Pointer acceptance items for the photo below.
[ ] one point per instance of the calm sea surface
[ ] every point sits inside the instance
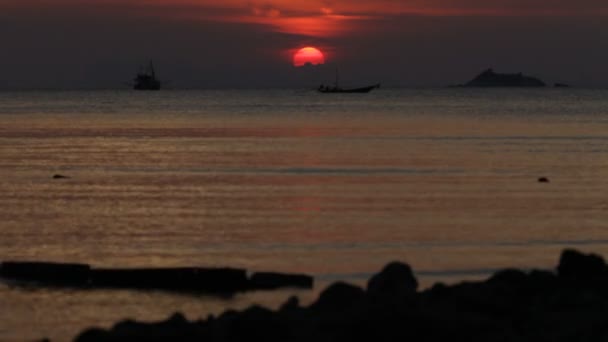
(294, 181)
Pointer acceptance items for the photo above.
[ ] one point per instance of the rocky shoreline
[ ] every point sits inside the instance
(568, 304)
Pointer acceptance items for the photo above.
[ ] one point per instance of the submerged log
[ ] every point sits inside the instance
(222, 281)
(218, 280)
(47, 273)
(271, 281)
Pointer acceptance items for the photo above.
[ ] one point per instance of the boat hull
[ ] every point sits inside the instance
(347, 91)
(155, 86)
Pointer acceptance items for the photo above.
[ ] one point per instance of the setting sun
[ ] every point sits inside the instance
(308, 55)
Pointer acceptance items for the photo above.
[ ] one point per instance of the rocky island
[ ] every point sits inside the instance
(568, 304)
(489, 78)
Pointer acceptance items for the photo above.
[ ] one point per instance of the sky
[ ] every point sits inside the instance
(250, 43)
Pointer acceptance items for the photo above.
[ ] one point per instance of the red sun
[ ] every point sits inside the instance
(308, 55)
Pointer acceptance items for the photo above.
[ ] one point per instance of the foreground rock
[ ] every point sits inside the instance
(223, 281)
(512, 305)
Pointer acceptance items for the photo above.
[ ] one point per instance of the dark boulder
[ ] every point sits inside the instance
(395, 279)
(257, 324)
(511, 278)
(176, 328)
(339, 296)
(96, 335)
(576, 265)
(542, 281)
(293, 303)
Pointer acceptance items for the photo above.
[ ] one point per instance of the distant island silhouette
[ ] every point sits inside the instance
(489, 78)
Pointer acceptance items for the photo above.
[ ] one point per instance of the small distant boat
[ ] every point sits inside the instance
(146, 79)
(327, 89)
(336, 88)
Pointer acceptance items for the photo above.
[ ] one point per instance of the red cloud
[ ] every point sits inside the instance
(319, 18)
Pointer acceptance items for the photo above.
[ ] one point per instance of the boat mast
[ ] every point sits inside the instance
(152, 70)
(337, 78)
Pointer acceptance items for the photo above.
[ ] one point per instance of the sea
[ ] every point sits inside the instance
(332, 185)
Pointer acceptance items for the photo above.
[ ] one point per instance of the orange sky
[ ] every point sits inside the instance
(222, 43)
(327, 18)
